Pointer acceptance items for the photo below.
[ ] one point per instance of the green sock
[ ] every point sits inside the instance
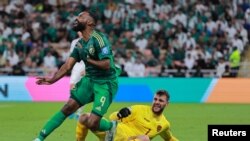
(105, 125)
(51, 125)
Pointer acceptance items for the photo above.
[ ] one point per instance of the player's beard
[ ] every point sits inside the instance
(157, 110)
(77, 26)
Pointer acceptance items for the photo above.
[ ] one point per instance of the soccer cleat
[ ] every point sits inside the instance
(110, 135)
(37, 139)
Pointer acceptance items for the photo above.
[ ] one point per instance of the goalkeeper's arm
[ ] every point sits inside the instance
(123, 113)
(167, 135)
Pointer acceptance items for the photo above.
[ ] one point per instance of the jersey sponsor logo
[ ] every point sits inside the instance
(98, 108)
(43, 131)
(159, 127)
(105, 50)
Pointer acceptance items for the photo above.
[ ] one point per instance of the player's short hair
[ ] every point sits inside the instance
(93, 14)
(163, 92)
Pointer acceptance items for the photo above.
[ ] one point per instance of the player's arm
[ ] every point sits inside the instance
(167, 135)
(102, 64)
(65, 68)
(113, 116)
(123, 113)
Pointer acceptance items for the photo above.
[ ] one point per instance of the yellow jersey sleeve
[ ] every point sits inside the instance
(133, 114)
(113, 116)
(167, 135)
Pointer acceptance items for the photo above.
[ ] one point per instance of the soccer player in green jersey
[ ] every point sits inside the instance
(99, 85)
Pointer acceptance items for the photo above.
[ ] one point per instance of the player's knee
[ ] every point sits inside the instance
(93, 124)
(70, 107)
(84, 118)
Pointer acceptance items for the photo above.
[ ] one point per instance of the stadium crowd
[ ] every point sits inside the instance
(150, 38)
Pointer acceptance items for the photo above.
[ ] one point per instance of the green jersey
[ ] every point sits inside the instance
(97, 47)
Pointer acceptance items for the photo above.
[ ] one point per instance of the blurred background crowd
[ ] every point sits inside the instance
(150, 38)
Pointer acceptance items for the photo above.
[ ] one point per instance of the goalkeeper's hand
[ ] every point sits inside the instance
(124, 112)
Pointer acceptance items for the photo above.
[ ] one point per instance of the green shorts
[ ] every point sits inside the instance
(100, 92)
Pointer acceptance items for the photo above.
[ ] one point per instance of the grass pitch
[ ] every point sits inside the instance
(21, 121)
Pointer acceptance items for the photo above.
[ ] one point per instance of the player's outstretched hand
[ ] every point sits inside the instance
(43, 81)
(124, 112)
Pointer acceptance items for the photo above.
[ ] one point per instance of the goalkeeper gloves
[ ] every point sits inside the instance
(124, 112)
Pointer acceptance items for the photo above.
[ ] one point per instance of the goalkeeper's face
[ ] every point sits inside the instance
(159, 103)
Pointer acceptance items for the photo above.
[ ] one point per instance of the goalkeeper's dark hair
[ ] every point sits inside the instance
(163, 92)
(93, 13)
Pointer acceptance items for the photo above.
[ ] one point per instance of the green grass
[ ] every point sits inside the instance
(22, 121)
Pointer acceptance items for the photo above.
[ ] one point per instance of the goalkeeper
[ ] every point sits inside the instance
(137, 123)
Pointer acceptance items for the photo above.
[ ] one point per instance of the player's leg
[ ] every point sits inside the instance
(100, 135)
(73, 80)
(103, 92)
(84, 94)
(70, 107)
(76, 100)
(94, 122)
(77, 114)
(76, 75)
(125, 132)
(82, 130)
(104, 95)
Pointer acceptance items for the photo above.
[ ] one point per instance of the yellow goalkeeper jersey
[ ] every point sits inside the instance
(142, 121)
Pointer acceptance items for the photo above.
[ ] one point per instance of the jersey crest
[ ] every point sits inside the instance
(91, 50)
(98, 108)
(159, 127)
